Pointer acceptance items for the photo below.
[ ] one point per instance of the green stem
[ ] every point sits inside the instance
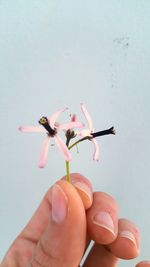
(77, 142)
(67, 172)
(67, 162)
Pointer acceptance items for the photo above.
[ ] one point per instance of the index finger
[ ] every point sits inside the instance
(84, 188)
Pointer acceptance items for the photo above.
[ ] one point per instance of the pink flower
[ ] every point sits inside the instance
(51, 127)
(91, 135)
(88, 132)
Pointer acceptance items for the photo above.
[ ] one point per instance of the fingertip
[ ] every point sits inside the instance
(143, 264)
(74, 201)
(102, 219)
(85, 193)
(83, 187)
(127, 243)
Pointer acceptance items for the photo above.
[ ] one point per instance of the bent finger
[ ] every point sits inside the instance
(126, 246)
(100, 257)
(102, 218)
(127, 243)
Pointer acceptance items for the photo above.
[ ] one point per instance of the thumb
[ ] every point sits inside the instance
(63, 242)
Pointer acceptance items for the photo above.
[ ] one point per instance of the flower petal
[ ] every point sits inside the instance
(44, 152)
(71, 125)
(84, 133)
(62, 148)
(96, 149)
(32, 129)
(87, 116)
(52, 119)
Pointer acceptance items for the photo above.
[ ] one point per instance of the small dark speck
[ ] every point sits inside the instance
(122, 41)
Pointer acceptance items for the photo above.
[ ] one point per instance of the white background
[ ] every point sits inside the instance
(61, 53)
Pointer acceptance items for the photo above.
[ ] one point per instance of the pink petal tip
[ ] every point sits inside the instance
(87, 116)
(44, 153)
(96, 150)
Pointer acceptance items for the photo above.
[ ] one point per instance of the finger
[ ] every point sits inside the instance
(84, 188)
(102, 218)
(127, 243)
(85, 191)
(39, 221)
(101, 257)
(143, 264)
(63, 241)
(126, 246)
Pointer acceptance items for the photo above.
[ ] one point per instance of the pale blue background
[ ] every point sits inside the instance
(60, 53)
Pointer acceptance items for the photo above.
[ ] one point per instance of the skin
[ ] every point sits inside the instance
(45, 242)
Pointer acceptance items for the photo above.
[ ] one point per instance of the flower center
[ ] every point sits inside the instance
(70, 134)
(45, 123)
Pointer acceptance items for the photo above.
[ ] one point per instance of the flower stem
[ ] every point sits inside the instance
(67, 172)
(77, 142)
(68, 179)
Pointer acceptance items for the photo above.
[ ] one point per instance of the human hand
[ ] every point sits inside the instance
(68, 217)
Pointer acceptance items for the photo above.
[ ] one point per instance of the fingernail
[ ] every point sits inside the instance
(84, 188)
(129, 235)
(104, 220)
(59, 204)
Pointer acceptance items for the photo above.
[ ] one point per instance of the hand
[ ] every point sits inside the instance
(60, 230)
